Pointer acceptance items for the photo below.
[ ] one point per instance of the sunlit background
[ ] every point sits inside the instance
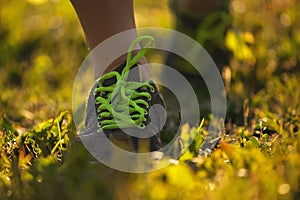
(42, 46)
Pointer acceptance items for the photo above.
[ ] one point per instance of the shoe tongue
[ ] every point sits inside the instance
(111, 81)
(120, 68)
(134, 75)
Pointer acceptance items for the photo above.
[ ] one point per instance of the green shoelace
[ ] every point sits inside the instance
(120, 105)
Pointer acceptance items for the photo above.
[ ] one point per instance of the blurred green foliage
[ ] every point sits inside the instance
(41, 48)
(255, 162)
(264, 39)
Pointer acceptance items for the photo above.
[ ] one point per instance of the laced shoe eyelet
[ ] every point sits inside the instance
(142, 126)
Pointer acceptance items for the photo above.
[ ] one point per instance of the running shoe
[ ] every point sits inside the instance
(126, 106)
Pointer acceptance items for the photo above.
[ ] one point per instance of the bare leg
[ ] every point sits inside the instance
(102, 19)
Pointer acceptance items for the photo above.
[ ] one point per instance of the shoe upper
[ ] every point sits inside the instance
(123, 101)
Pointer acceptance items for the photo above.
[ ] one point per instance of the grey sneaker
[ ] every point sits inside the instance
(128, 109)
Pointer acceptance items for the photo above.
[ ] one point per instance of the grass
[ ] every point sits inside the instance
(260, 161)
(257, 157)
